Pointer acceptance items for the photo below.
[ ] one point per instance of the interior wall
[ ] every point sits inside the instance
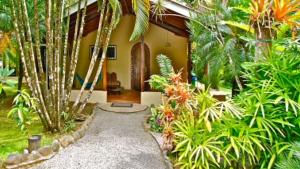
(156, 38)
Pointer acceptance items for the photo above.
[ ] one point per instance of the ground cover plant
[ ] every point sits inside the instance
(11, 139)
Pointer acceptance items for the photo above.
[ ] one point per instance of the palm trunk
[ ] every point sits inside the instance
(94, 56)
(64, 60)
(20, 77)
(53, 98)
(32, 59)
(103, 57)
(20, 36)
(75, 57)
(262, 46)
(68, 86)
(37, 38)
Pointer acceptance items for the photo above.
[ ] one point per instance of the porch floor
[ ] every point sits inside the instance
(126, 96)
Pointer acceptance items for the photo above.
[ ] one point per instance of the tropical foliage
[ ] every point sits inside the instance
(54, 100)
(290, 160)
(259, 125)
(253, 130)
(157, 82)
(219, 46)
(4, 81)
(165, 65)
(155, 120)
(24, 107)
(271, 101)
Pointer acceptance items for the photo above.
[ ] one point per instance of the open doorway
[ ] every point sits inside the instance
(132, 95)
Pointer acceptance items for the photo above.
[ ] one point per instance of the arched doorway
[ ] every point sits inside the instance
(136, 66)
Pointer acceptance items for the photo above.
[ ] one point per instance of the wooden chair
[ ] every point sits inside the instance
(113, 84)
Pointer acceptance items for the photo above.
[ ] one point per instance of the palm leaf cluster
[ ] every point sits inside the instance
(5, 17)
(165, 65)
(218, 45)
(142, 10)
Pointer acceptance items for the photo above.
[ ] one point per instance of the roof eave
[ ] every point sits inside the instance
(171, 5)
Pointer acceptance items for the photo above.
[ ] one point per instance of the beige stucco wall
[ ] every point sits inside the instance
(155, 38)
(84, 59)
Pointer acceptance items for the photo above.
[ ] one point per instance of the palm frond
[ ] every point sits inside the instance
(165, 65)
(242, 26)
(141, 9)
(158, 9)
(117, 10)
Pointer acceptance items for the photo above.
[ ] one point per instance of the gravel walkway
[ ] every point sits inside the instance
(113, 141)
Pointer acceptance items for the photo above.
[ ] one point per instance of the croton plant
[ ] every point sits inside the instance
(181, 98)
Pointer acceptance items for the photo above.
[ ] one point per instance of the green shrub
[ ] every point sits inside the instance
(251, 132)
(202, 132)
(271, 102)
(292, 159)
(24, 107)
(4, 81)
(155, 120)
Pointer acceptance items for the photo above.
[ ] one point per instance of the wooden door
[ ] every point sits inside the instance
(136, 67)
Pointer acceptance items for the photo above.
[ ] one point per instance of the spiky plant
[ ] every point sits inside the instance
(165, 65)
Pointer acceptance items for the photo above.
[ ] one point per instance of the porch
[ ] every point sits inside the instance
(135, 61)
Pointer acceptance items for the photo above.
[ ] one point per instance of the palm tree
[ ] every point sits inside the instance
(53, 96)
(219, 50)
(6, 26)
(142, 9)
(53, 91)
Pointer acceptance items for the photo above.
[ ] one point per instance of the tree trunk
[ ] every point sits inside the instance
(263, 44)
(95, 54)
(20, 77)
(103, 57)
(75, 57)
(53, 98)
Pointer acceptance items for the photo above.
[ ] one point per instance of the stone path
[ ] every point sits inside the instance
(113, 141)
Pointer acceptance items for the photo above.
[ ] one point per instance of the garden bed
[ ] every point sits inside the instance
(12, 140)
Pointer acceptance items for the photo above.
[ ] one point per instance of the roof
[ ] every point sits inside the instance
(168, 4)
(174, 19)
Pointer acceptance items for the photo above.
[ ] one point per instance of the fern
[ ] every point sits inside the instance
(165, 65)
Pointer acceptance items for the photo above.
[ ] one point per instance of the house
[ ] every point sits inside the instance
(169, 36)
